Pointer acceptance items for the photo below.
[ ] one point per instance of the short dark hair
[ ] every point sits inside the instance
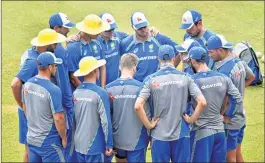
(54, 26)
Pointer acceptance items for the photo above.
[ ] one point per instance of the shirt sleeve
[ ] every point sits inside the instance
(234, 97)
(247, 69)
(194, 90)
(122, 35)
(73, 57)
(168, 41)
(104, 113)
(28, 70)
(145, 91)
(56, 100)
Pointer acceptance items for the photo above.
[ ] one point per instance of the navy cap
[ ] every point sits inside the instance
(47, 58)
(166, 52)
(218, 41)
(108, 18)
(198, 53)
(60, 19)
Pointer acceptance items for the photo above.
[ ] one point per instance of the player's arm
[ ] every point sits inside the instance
(103, 76)
(58, 114)
(200, 99)
(140, 104)
(104, 114)
(74, 80)
(249, 75)
(16, 86)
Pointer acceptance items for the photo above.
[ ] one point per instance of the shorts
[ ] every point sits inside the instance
(22, 126)
(132, 156)
(90, 158)
(234, 137)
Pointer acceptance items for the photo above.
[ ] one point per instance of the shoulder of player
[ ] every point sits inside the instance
(73, 45)
(127, 40)
(52, 88)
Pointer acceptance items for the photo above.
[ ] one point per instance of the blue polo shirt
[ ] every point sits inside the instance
(29, 65)
(111, 50)
(203, 41)
(147, 53)
(78, 49)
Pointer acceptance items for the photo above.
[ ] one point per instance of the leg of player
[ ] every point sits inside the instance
(26, 154)
(239, 156)
(231, 156)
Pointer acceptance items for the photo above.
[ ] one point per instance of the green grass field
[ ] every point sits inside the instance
(237, 21)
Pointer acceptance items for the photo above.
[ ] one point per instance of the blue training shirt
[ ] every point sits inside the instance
(147, 53)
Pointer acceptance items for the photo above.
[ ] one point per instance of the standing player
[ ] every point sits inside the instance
(192, 23)
(130, 136)
(89, 28)
(42, 104)
(46, 40)
(145, 46)
(93, 132)
(168, 90)
(242, 76)
(208, 142)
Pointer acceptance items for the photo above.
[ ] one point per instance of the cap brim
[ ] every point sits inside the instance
(101, 62)
(93, 31)
(186, 26)
(141, 25)
(58, 61)
(113, 26)
(180, 49)
(228, 45)
(186, 57)
(69, 25)
(60, 38)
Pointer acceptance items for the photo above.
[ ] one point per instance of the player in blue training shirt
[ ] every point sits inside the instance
(93, 130)
(192, 23)
(242, 76)
(130, 135)
(42, 104)
(208, 142)
(168, 90)
(89, 28)
(145, 46)
(46, 40)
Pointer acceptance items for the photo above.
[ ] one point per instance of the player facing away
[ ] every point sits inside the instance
(42, 104)
(130, 135)
(208, 142)
(242, 76)
(168, 91)
(93, 131)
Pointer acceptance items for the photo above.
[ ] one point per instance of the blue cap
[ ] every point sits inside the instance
(47, 58)
(166, 52)
(198, 53)
(189, 18)
(107, 17)
(60, 19)
(218, 41)
(138, 20)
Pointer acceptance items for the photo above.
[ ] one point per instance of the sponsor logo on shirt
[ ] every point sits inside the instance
(211, 85)
(112, 55)
(151, 48)
(111, 97)
(171, 83)
(95, 48)
(155, 84)
(147, 58)
(82, 99)
(124, 96)
(135, 50)
(27, 91)
(112, 45)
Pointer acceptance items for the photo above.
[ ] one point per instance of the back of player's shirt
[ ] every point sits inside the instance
(238, 71)
(128, 131)
(169, 90)
(42, 99)
(214, 87)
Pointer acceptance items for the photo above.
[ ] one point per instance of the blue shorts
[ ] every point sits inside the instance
(90, 158)
(47, 153)
(234, 137)
(23, 127)
(108, 159)
(207, 147)
(132, 156)
(176, 151)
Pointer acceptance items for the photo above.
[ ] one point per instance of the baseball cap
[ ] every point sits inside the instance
(186, 46)
(166, 52)
(107, 17)
(198, 53)
(47, 58)
(189, 18)
(218, 41)
(138, 20)
(60, 19)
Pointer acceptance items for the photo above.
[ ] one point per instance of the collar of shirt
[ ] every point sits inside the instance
(166, 65)
(222, 62)
(34, 53)
(42, 77)
(198, 37)
(149, 39)
(105, 41)
(85, 42)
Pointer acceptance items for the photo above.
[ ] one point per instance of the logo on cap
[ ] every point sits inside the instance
(184, 19)
(139, 19)
(108, 20)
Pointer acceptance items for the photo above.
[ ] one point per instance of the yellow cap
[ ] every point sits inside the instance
(88, 64)
(47, 37)
(92, 24)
